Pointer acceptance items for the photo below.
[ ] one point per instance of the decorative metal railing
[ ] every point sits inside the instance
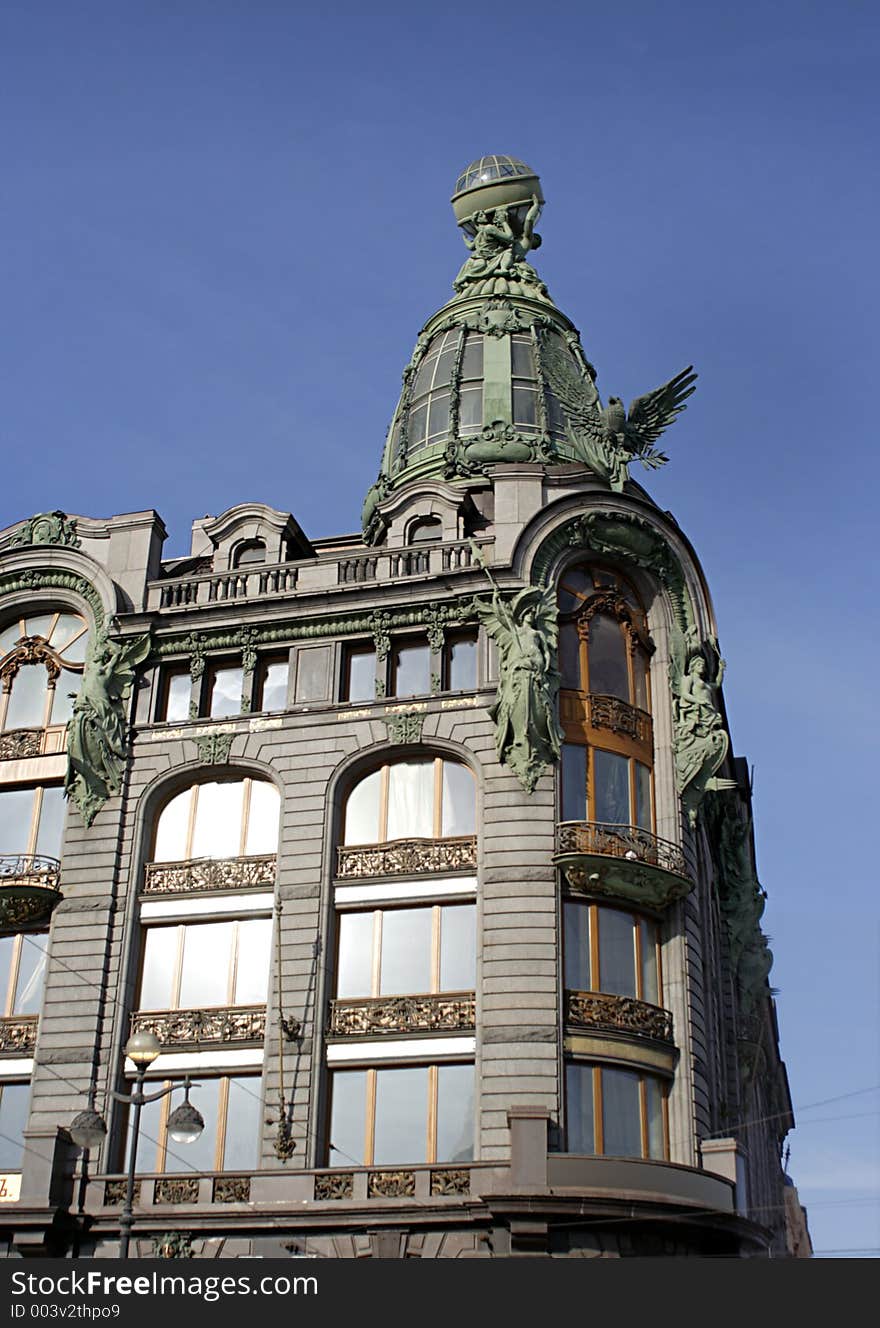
(18, 1034)
(609, 712)
(30, 869)
(618, 1014)
(30, 887)
(629, 842)
(179, 878)
(409, 857)
(174, 1028)
(452, 1012)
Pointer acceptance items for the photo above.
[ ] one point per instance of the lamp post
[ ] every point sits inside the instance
(185, 1124)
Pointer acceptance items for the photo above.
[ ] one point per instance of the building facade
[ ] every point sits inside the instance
(423, 852)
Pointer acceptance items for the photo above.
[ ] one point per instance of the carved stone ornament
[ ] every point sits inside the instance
(451, 1180)
(214, 748)
(405, 726)
(620, 1014)
(380, 626)
(232, 1189)
(97, 737)
(391, 1184)
(17, 744)
(47, 528)
(527, 732)
(401, 1014)
(173, 1245)
(181, 878)
(334, 1185)
(410, 857)
(179, 1190)
(246, 1023)
(18, 1035)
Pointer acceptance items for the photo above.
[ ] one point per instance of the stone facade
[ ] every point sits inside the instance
(710, 1047)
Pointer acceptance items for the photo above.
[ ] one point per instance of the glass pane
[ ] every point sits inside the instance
(525, 406)
(274, 687)
(51, 827)
(411, 800)
(522, 361)
(9, 635)
(207, 958)
(202, 1153)
(470, 409)
(14, 1099)
(609, 675)
(16, 810)
(462, 665)
(654, 1104)
(265, 809)
(621, 1114)
(579, 1131)
(401, 1116)
(643, 796)
(570, 656)
(173, 827)
(406, 951)
(242, 1143)
(576, 922)
(411, 670)
(415, 429)
(472, 360)
(66, 688)
(443, 372)
(611, 787)
(41, 625)
(226, 689)
(217, 832)
(648, 941)
(458, 947)
(254, 961)
(31, 973)
(361, 676)
(148, 1135)
(459, 800)
(67, 627)
(177, 698)
(354, 975)
(76, 651)
(362, 811)
(27, 704)
(455, 1113)
(640, 677)
(617, 953)
(576, 584)
(7, 958)
(574, 782)
(160, 962)
(348, 1118)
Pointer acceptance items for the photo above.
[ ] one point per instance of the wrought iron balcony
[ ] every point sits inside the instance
(18, 1034)
(610, 714)
(621, 861)
(224, 1024)
(408, 857)
(451, 1012)
(182, 878)
(617, 1014)
(30, 887)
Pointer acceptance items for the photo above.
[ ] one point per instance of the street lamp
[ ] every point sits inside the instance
(185, 1124)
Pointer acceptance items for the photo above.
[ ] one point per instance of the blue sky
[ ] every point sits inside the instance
(223, 224)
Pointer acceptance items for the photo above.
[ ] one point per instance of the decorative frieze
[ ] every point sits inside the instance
(334, 1185)
(410, 857)
(402, 1014)
(619, 1014)
(231, 1189)
(181, 878)
(236, 1023)
(391, 1184)
(176, 1190)
(114, 1192)
(17, 744)
(452, 1180)
(18, 1035)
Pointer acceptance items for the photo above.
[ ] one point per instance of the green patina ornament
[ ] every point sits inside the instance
(742, 901)
(48, 528)
(214, 748)
(700, 741)
(96, 732)
(405, 726)
(173, 1245)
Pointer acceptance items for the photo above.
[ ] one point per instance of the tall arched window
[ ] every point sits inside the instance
(424, 799)
(227, 819)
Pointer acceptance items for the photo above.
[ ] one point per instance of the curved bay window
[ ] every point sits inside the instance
(611, 950)
(42, 656)
(614, 1112)
(604, 653)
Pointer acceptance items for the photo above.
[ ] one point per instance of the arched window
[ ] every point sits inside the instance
(425, 530)
(249, 553)
(425, 799)
(227, 819)
(42, 656)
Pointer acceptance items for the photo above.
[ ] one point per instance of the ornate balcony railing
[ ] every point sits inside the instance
(18, 1034)
(622, 861)
(609, 712)
(30, 887)
(446, 1013)
(618, 1014)
(181, 878)
(410, 857)
(175, 1028)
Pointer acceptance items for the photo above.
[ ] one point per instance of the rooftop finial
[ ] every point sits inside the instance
(497, 202)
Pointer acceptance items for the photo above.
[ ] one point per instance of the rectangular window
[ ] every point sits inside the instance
(406, 951)
(405, 1114)
(573, 799)
(460, 663)
(272, 684)
(615, 1113)
(22, 972)
(32, 820)
(359, 674)
(410, 669)
(175, 692)
(14, 1100)
(611, 950)
(224, 690)
(231, 1108)
(206, 964)
(232, 819)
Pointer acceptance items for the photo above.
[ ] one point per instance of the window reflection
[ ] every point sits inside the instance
(231, 1108)
(611, 950)
(219, 820)
(614, 1112)
(42, 656)
(406, 951)
(411, 799)
(404, 1114)
(205, 964)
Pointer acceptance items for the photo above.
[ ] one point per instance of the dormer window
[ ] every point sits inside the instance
(249, 553)
(425, 530)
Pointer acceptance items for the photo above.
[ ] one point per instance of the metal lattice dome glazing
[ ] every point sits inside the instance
(489, 168)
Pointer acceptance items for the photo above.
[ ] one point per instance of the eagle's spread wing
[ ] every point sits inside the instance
(651, 414)
(581, 411)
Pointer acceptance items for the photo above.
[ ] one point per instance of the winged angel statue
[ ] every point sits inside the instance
(701, 742)
(96, 732)
(527, 733)
(608, 438)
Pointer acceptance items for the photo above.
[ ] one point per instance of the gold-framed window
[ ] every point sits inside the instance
(396, 1114)
(615, 1112)
(231, 1107)
(197, 965)
(218, 819)
(428, 798)
(42, 657)
(611, 950)
(409, 950)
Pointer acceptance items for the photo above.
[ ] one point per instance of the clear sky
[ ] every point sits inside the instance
(223, 224)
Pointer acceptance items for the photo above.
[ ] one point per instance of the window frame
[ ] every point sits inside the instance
(431, 1121)
(57, 655)
(384, 784)
(264, 663)
(177, 976)
(589, 800)
(221, 665)
(167, 1106)
(349, 651)
(597, 1068)
(7, 1003)
(377, 940)
(193, 789)
(594, 923)
(166, 677)
(36, 814)
(453, 639)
